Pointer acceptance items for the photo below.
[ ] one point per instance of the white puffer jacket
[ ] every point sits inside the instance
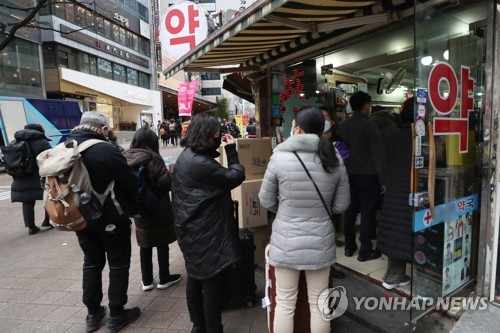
(303, 236)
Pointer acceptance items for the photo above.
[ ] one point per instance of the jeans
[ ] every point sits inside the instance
(287, 283)
(29, 215)
(365, 196)
(204, 303)
(146, 254)
(97, 244)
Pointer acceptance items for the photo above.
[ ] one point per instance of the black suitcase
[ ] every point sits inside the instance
(240, 285)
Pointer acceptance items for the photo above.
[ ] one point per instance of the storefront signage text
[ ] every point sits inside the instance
(80, 37)
(122, 19)
(134, 95)
(444, 105)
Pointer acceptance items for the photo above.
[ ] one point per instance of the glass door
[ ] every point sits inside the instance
(449, 100)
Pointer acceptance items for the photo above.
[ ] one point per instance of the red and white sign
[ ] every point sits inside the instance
(185, 97)
(183, 27)
(444, 104)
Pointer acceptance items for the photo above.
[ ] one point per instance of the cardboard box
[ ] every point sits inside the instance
(254, 155)
(262, 237)
(250, 213)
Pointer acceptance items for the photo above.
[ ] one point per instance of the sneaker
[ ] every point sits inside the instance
(93, 322)
(46, 225)
(148, 287)
(172, 279)
(33, 230)
(404, 281)
(115, 324)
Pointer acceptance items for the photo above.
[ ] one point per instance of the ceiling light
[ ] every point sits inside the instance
(426, 61)
(446, 55)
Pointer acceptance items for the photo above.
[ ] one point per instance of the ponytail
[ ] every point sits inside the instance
(327, 154)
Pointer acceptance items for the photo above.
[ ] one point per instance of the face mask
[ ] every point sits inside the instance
(217, 142)
(328, 125)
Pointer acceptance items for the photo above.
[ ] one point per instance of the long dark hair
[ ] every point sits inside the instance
(311, 120)
(200, 130)
(146, 138)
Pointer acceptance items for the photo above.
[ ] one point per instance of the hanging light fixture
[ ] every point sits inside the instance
(426, 59)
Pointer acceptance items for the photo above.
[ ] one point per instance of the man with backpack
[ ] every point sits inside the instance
(20, 156)
(109, 236)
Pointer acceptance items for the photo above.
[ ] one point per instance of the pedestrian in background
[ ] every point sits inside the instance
(303, 235)
(28, 189)
(366, 167)
(114, 140)
(110, 238)
(204, 218)
(157, 228)
(164, 133)
(394, 237)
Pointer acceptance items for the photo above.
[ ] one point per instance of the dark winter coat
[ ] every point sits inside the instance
(104, 162)
(157, 229)
(29, 188)
(394, 237)
(203, 210)
(386, 124)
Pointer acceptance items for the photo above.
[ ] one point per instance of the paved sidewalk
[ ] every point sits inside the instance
(479, 321)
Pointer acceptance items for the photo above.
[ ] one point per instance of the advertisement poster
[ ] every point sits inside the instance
(182, 100)
(457, 252)
(191, 90)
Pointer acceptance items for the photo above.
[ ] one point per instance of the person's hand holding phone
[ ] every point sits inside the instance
(228, 138)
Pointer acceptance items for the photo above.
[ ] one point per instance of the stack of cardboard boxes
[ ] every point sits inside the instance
(254, 155)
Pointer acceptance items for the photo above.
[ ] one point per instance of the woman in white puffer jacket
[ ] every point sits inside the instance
(303, 236)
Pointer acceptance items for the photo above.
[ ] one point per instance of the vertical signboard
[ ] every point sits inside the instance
(186, 94)
(157, 41)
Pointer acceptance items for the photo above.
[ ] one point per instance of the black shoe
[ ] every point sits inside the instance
(115, 324)
(172, 279)
(93, 322)
(33, 230)
(350, 252)
(336, 274)
(374, 254)
(339, 243)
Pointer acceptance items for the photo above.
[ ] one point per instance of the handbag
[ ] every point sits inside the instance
(315, 186)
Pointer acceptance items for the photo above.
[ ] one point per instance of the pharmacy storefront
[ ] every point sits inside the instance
(439, 53)
(128, 107)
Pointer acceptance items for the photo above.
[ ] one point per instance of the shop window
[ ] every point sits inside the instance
(59, 9)
(143, 12)
(80, 17)
(132, 77)
(135, 43)
(90, 21)
(123, 37)
(210, 91)
(108, 31)
(99, 25)
(49, 56)
(119, 73)
(131, 4)
(130, 39)
(144, 47)
(210, 76)
(116, 33)
(62, 58)
(92, 65)
(73, 60)
(69, 11)
(143, 80)
(104, 69)
(83, 63)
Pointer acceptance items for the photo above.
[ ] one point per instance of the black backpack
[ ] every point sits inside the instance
(147, 200)
(19, 161)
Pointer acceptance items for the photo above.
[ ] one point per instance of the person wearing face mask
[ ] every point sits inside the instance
(366, 167)
(204, 222)
(305, 182)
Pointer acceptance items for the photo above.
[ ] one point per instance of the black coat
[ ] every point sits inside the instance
(157, 229)
(203, 211)
(104, 162)
(394, 236)
(29, 188)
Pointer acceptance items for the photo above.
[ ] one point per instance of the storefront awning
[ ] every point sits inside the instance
(272, 29)
(240, 86)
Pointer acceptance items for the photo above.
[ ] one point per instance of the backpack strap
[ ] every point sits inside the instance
(102, 197)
